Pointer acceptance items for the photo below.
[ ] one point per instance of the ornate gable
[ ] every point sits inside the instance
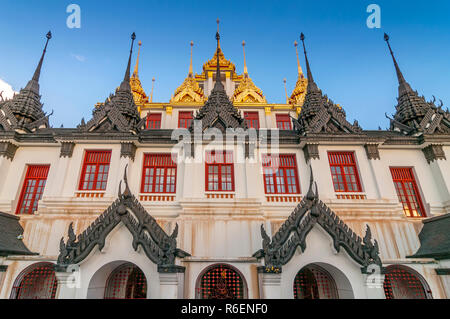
(23, 112)
(119, 112)
(319, 114)
(414, 115)
(248, 92)
(159, 247)
(279, 250)
(188, 92)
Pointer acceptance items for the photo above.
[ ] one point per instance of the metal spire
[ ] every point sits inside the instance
(218, 84)
(285, 90)
(136, 67)
(311, 84)
(403, 86)
(153, 86)
(33, 84)
(126, 81)
(245, 62)
(191, 70)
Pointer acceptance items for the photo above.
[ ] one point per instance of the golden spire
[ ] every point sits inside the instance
(245, 62)
(153, 86)
(136, 87)
(285, 90)
(136, 67)
(191, 70)
(300, 71)
(299, 93)
(189, 91)
(247, 91)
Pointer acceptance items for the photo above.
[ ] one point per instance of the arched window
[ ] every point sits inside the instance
(403, 283)
(221, 282)
(36, 282)
(314, 282)
(126, 282)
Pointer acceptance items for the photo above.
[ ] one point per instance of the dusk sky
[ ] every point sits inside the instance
(349, 61)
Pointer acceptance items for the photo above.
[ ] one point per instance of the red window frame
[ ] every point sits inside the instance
(185, 119)
(344, 172)
(153, 121)
(283, 121)
(219, 165)
(280, 174)
(94, 175)
(159, 174)
(252, 119)
(32, 189)
(407, 191)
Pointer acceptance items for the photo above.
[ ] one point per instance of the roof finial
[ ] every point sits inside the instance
(311, 84)
(191, 70)
(34, 82)
(403, 86)
(126, 81)
(218, 21)
(153, 86)
(136, 67)
(218, 81)
(300, 71)
(245, 62)
(285, 90)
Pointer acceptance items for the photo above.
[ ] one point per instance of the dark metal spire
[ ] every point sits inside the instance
(218, 84)
(311, 84)
(126, 81)
(33, 84)
(403, 86)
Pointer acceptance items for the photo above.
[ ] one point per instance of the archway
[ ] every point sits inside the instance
(314, 282)
(401, 282)
(221, 281)
(37, 281)
(118, 280)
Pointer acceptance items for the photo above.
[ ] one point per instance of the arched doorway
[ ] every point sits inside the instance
(126, 282)
(314, 282)
(37, 281)
(221, 281)
(401, 282)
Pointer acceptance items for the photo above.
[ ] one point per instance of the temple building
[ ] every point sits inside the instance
(220, 194)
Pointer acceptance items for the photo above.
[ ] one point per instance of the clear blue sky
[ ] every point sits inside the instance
(350, 62)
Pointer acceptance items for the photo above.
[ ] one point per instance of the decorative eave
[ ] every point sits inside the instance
(279, 250)
(248, 92)
(434, 238)
(159, 247)
(188, 92)
(11, 237)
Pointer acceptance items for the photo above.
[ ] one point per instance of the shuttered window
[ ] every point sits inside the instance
(407, 191)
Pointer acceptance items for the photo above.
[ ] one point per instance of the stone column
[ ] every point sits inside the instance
(269, 284)
(3, 269)
(171, 281)
(373, 284)
(68, 283)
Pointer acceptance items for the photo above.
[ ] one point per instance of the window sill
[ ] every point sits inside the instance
(224, 195)
(157, 197)
(283, 198)
(89, 194)
(351, 195)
